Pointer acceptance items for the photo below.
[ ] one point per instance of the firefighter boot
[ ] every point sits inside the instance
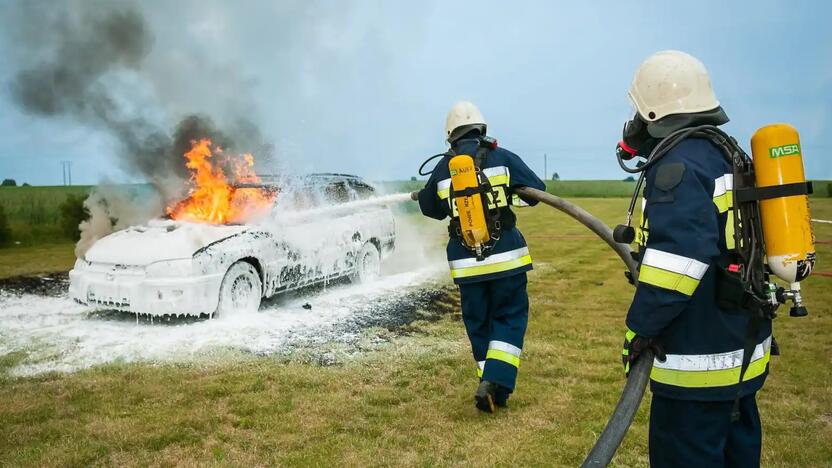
(501, 395)
(485, 396)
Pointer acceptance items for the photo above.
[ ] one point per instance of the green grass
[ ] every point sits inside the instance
(17, 260)
(822, 188)
(34, 212)
(410, 404)
(590, 188)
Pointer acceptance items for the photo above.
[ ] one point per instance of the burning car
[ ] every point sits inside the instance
(204, 260)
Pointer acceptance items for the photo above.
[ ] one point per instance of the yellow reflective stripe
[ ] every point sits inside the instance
(710, 378)
(641, 236)
(642, 230)
(630, 335)
(730, 243)
(517, 201)
(667, 279)
(725, 201)
(724, 192)
(503, 356)
(498, 180)
(492, 268)
(479, 372)
(443, 188)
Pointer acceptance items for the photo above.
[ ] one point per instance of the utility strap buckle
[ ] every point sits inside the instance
(470, 191)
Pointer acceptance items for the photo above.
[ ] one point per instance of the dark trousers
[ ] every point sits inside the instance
(496, 312)
(700, 433)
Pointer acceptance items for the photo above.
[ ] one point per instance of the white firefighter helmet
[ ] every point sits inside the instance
(671, 82)
(463, 116)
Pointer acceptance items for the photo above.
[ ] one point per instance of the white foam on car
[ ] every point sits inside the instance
(156, 241)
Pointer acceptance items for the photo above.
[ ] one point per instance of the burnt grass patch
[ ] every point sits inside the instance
(51, 285)
(373, 326)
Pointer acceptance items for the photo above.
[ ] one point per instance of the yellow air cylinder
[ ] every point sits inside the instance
(787, 227)
(472, 223)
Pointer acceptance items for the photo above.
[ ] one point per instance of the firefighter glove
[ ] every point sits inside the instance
(633, 346)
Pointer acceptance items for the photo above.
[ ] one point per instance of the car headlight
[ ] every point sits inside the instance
(182, 267)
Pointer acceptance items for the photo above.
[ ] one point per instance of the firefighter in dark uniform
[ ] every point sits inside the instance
(701, 415)
(495, 304)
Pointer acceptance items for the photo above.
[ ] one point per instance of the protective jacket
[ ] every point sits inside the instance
(505, 171)
(685, 234)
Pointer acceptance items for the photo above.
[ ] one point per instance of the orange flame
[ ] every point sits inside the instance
(212, 199)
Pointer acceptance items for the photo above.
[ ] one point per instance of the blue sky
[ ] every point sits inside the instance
(363, 87)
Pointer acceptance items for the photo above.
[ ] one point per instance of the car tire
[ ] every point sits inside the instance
(367, 264)
(241, 290)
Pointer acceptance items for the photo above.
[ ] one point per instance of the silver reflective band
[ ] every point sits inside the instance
(496, 171)
(712, 362)
(723, 184)
(675, 263)
(444, 184)
(503, 346)
(481, 365)
(490, 260)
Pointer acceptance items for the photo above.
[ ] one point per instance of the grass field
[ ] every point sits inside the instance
(409, 404)
(34, 213)
(35, 259)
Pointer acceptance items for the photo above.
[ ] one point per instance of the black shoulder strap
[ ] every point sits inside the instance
(775, 191)
(749, 344)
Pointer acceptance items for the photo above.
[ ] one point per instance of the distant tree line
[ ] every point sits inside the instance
(12, 183)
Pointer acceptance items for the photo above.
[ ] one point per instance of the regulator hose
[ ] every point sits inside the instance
(633, 392)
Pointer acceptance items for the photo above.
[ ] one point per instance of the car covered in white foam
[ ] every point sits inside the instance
(169, 267)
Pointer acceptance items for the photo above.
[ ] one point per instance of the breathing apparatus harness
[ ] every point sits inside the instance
(743, 280)
(496, 218)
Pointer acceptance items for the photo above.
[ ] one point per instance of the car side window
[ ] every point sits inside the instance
(346, 191)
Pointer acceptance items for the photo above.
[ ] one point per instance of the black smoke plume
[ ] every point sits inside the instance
(83, 61)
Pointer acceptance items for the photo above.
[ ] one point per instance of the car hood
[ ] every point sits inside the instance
(156, 241)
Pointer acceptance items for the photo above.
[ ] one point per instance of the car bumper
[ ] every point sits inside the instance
(135, 293)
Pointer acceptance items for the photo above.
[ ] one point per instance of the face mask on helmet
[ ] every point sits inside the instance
(633, 139)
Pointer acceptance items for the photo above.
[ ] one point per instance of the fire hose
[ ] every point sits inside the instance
(584, 217)
(633, 392)
(631, 396)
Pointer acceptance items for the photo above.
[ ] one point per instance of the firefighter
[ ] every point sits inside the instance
(495, 304)
(701, 415)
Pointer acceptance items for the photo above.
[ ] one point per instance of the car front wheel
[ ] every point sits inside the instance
(240, 291)
(367, 264)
